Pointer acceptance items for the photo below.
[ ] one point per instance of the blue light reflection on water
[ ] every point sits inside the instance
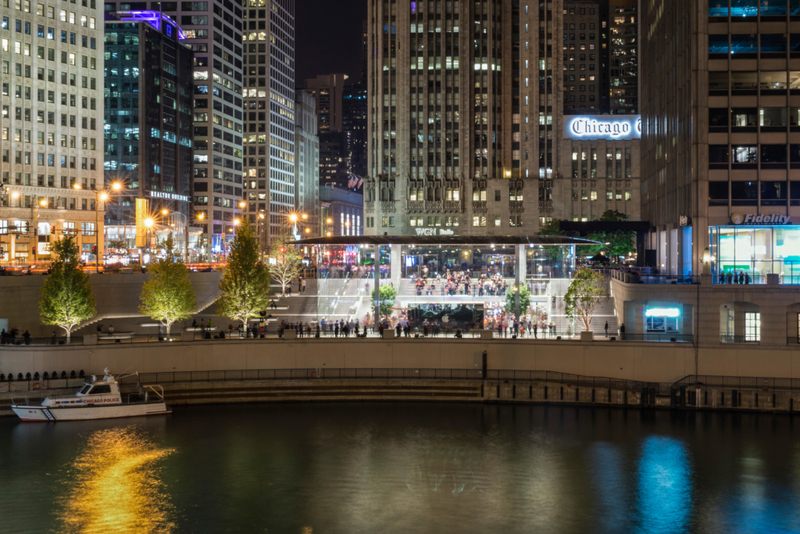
(665, 491)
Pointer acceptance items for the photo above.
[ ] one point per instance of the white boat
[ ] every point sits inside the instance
(95, 400)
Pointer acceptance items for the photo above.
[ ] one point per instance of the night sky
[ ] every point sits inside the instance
(328, 37)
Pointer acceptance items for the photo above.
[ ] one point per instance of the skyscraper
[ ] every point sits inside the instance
(306, 165)
(51, 127)
(270, 111)
(148, 119)
(460, 115)
(214, 32)
(720, 113)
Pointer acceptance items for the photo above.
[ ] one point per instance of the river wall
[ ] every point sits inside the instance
(646, 362)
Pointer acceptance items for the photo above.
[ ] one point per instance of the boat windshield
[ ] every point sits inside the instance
(85, 389)
(98, 390)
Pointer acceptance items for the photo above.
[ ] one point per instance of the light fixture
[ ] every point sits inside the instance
(328, 234)
(76, 185)
(293, 217)
(104, 196)
(305, 216)
(329, 220)
(14, 195)
(116, 186)
(165, 211)
(201, 215)
(242, 204)
(43, 203)
(149, 222)
(236, 222)
(308, 230)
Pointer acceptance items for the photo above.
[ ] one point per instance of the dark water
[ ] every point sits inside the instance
(352, 468)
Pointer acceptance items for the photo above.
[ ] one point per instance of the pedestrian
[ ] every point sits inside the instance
(747, 278)
(27, 337)
(111, 329)
(230, 329)
(304, 285)
(317, 336)
(622, 331)
(100, 328)
(53, 338)
(336, 330)
(536, 329)
(606, 328)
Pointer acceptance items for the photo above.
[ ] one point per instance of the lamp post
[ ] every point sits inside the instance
(201, 217)
(148, 223)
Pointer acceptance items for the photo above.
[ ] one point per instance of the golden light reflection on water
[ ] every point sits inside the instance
(116, 486)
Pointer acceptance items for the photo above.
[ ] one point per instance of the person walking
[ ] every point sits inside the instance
(27, 337)
(622, 331)
(111, 329)
(535, 329)
(52, 337)
(606, 328)
(304, 285)
(336, 330)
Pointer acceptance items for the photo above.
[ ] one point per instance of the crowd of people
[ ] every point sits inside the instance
(461, 283)
(12, 337)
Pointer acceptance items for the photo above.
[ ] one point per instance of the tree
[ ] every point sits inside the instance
(524, 299)
(551, 227)
(584, 294)
(168, 295)
(613, 216)
(245, 284)
(287, 264)
(612, 244)
(387, 296)
(66, 298)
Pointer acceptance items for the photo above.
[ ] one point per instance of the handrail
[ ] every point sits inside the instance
(738, 382)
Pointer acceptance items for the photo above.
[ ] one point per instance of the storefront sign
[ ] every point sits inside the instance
(757, 220)
(433, 232)
(168, 196)
(663, 312)
(617, 128)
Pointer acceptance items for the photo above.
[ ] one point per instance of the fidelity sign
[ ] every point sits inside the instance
(755, 220)
(609, 128)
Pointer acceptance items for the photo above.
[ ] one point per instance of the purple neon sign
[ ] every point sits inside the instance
(153, 18)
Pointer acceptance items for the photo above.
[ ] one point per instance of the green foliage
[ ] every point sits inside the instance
(288, 263)
(612, 244)
(168, 295)
(120, 245)
(524, 299)
(551, 228)
(583, 295)
(66, 297)
(245, 283)
(613, 216)
(388, 295)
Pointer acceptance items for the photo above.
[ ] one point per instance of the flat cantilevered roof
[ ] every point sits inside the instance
(452, 240)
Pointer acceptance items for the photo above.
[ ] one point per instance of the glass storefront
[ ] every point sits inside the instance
(746, 254)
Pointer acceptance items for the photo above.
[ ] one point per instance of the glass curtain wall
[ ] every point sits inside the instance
(747, 254)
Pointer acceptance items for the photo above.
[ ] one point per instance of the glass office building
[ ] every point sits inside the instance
(754, 252)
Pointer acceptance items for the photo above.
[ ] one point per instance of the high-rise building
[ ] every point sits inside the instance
(720, 112)
(213, 31)
(328, 89)
(51, 127)
(148, 120)
(306, 161)
(354, 126)
(270, 112)
(598, 168)
(460, 130)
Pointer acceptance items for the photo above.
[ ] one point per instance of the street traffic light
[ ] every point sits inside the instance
(94, 249)
(283, 249)
(33, 250)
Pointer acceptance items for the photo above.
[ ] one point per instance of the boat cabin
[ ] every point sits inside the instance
(94, 393)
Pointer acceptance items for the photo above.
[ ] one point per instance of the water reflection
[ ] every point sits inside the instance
(116, 486)
(665, 485)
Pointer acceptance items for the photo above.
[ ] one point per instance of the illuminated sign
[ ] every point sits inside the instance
(168, 196)
(663, 312)
(756, 220)
(432, 231)
(153, 18)
(604, 127)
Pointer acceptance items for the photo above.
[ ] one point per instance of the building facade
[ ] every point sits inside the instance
(341, 212)
(148, 121)
(270, 112)
(598, 170)
(460, 121)
(720, 155)
(213, 31)
(306, 164)
(50, 128)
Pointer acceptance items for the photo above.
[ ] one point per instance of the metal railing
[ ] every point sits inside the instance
(642, 278)
(680, 338)
(738, 382)
(255, 375)
(174, 377)
(726, 338)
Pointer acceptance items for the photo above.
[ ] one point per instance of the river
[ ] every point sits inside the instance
(402, 467)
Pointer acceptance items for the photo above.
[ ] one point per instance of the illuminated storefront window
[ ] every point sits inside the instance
(753, 252)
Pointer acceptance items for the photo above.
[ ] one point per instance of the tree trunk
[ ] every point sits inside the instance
(168, 325)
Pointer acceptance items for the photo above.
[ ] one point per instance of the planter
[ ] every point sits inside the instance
(487, 334)
(587, 336)
(290, 334)
(90, 339)
(388, 334)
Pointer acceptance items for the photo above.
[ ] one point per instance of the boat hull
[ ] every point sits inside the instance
(85, 413)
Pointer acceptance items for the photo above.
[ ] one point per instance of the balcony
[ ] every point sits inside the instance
(387, 206)
(545, 205)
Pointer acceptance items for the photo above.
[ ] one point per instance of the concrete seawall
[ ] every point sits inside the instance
(646, 362)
